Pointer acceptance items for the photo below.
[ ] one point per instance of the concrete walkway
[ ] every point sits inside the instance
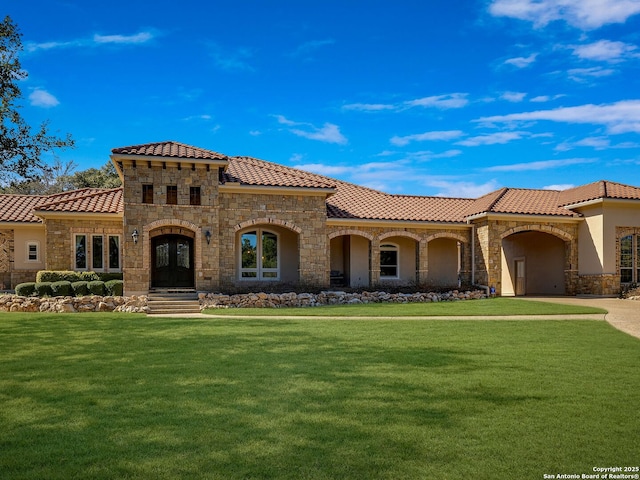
(622, 314)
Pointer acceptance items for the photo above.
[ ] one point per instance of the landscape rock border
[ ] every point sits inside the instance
(87, 303)
(291, 299)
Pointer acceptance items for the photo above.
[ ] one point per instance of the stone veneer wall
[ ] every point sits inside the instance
(488, 249)
(146, 217)
(303, 214)
(6, 258)
(60, 248)
(422, 236)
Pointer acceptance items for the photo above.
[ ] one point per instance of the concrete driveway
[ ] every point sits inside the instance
(623, 314)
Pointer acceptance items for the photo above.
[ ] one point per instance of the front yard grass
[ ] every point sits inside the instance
(485, 307)
(106, 396)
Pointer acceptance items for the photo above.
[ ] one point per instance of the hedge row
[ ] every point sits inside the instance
(65, 288)
(52, 276)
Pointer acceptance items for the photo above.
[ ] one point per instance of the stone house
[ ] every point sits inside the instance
(190, 218)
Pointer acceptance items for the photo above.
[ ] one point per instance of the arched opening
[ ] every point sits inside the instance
(172, 262)
(398, 260)
(350, 261)
(533, 263)
(268, 253)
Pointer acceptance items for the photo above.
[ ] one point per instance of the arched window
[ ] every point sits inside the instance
(259, 254)
(389, 265)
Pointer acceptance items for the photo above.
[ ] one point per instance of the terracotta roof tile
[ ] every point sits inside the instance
(349, 200)
(521, 201)
(19, 208)
(251, 171)
(598, 190)
(90, 200)
(169, 149)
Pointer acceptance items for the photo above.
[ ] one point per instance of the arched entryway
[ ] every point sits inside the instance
(172, 262)
(350, 258)
(533, 263)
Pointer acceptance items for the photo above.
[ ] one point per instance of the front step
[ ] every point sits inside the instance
(178, 302)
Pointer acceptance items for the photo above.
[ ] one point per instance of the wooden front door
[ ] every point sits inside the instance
(172, 261)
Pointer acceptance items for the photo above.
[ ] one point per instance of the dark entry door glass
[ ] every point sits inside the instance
(172, 260)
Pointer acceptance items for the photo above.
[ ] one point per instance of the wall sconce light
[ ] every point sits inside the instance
(207, 235)
(134, 235)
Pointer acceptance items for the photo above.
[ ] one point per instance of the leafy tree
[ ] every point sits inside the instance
(20, 149)
(104, 177)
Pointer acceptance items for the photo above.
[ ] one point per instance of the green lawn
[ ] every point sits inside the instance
(106, 396)
(490, 307)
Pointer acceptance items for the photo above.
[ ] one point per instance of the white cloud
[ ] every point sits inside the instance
(443, 102)
(328, 133)
(141, 37)
(581, 74)
(583, 14)
(324, 169)
(605, 50)
(599, 143)
(427, 136)
(461, 189)
(521, 62)
(561, 186)
(307, 48)
(545, 98)
(96, 41)
(42, 98)
(492, 139)
(619, 117)
(368, 107)
(541, 165)
(231, 60)
(513, 97)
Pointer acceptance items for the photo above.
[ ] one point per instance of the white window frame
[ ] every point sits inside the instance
(75, 252)
(93, 268)
(635, 259)
(390, 247)
(259, 270)
(89, 246)
(108, 253)
(29, 244)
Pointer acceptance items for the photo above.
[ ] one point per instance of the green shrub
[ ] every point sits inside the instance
(114, 287)
(80, 288)
(105, 277)
(43, 289)
(96, 287)
(65, 275)
(61, 288)
(26, 289)
(89, 276)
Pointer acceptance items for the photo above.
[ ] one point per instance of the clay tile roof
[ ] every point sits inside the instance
(352, 201)
(86, 200)
(19, 208)
(348, 200)
(169, 149)
(251, 171)
(521, 201)
(598, 190)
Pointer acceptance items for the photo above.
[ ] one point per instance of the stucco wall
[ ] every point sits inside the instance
(22, 237)
(443, 262)
(616, 215)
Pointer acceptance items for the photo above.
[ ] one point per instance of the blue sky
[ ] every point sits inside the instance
(441, 97)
